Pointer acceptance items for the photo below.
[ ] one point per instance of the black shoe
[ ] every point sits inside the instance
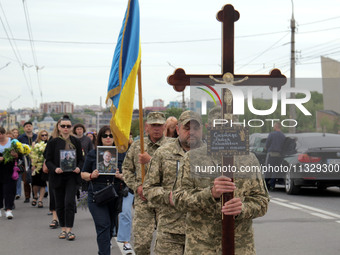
(271, 189)
(17, 197)
(27, 200)
(46, 194)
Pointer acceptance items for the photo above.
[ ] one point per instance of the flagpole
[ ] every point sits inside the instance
(141, 128)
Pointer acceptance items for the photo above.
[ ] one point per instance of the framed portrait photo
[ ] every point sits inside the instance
(107, 160)
(68, 161)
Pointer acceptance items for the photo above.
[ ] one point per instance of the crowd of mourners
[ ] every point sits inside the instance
(184, 208)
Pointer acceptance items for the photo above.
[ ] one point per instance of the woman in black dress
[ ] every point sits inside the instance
(39, 177)
(65, 183)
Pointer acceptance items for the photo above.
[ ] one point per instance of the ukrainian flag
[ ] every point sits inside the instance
(122, 80)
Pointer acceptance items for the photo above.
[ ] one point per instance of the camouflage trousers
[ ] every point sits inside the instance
(214, 247)
(143, 225)
(169, 244)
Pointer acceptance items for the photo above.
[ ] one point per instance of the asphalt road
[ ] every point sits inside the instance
(294, 225)
(28, 233)
(308, 223)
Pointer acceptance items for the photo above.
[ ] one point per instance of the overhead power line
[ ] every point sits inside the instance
(15, 50)
(319, 21)
(145, 43)
(30, 35)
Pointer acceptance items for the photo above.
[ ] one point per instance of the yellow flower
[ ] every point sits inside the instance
(20, 148)
(27, 149)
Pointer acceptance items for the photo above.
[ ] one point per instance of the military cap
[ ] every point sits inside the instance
(189, 116)
(155, 118)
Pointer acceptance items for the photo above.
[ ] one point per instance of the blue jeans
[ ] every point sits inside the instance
(18, 193)
(103, 217)
(125, 219)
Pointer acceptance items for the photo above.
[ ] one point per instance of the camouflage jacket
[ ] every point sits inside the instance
(159, 183)
(192, 193)
(131, 168)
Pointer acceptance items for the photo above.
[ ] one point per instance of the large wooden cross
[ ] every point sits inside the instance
(179, 80)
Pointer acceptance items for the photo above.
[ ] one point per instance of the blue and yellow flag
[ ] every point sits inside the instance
(122, 80)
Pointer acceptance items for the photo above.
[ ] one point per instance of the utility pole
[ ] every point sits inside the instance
(183, 101)
(292, 109)
(98, 118)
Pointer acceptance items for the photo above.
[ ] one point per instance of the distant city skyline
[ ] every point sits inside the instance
(66, 53)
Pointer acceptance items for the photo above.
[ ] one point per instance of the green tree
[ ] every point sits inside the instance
(90, 112)
(135, 127)
(305, 123)
(308, 123)
(176, 112)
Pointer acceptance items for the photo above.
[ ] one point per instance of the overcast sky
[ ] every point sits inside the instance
(74, 41)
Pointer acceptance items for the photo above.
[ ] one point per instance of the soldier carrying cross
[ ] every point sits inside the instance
(203, 193)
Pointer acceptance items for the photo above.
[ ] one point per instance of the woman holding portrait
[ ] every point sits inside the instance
(65, 183)
(104, 216)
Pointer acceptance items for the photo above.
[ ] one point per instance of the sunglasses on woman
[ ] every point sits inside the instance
(44, 135)
(106, 136)
(65, 126)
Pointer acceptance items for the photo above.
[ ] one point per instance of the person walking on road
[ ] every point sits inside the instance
(144, 220)
(104, 216)
(274, 145)
(28, 138)
(64, 183)
(161, 177)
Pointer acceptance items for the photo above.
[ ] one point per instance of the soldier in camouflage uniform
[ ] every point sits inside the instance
(160, 180)
(68, 164)
(107, 166)
(144, 220)
(197, 191)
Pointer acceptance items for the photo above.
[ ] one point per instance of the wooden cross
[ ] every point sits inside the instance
(179, 80)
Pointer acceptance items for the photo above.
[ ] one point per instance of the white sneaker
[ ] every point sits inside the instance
(9, 215)
(127, 249)
(0, 213)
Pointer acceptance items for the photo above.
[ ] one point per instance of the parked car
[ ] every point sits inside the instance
(257, 145)
(310, 159)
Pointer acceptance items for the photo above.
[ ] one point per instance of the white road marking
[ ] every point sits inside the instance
(285, 205)
(338, 221)
(308, 209)
(322, 216)
(279, 199)
(317, 210)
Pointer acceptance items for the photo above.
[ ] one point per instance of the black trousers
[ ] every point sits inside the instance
(65, 196)
(7, 194)
(272, 175)
(51, 197)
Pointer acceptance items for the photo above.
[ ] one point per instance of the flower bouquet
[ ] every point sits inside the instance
(19, 148)
(37, 156)
(16, 147)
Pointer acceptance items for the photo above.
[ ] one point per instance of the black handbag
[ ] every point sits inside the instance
(125, 191)
(105, 195)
